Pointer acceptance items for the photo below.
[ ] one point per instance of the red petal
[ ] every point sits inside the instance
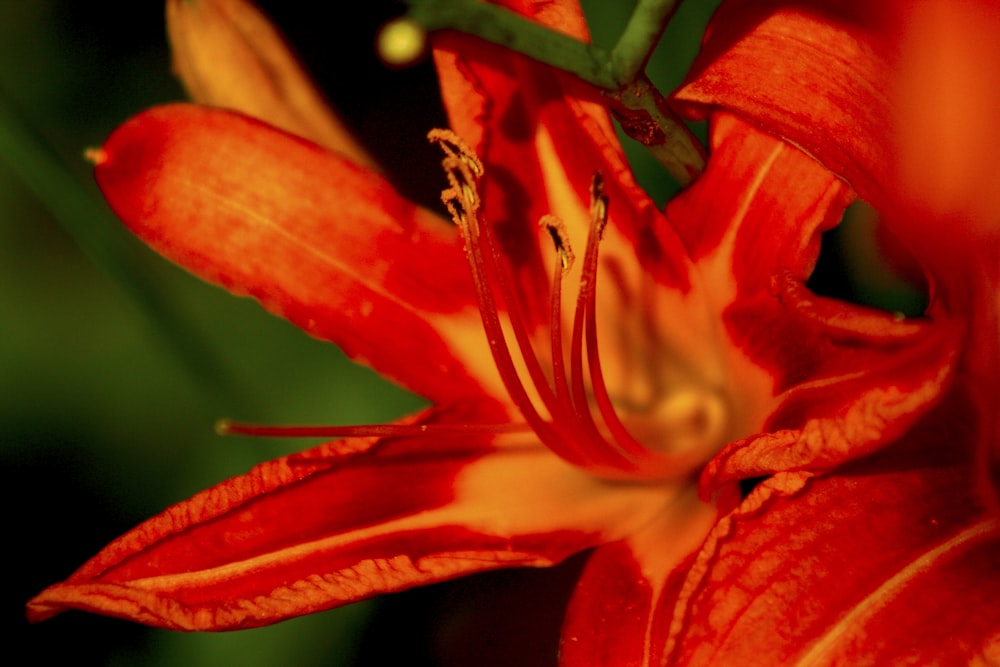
(947, 104)
(821, 380)
(624, 583)
(899, 99)
(758, 210)
(890, 560)
(814, 73)
(346, 521)
(467, 104)
(313, 237)
(847, 381)
(896, 98)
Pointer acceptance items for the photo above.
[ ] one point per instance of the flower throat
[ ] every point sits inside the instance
(568, 407)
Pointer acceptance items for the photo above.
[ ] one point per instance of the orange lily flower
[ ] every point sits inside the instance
(577, 400)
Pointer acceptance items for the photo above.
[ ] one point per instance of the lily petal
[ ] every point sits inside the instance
(315, 530)
(624, 584)
(833, 380)
(312, 236)
(229, 55)
(898, 99)
(947, 102)
(814, 73)
(758, 210)
(892, 560)
(868, 94)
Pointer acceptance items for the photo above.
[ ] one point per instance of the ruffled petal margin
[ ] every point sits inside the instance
(346, 521)
(819, 381)
(315, 238)
(895, 559)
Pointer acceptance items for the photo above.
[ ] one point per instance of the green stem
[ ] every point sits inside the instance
(502, 26)
(647, 117)
(641, 35)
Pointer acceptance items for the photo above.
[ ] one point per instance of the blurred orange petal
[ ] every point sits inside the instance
(229, 55)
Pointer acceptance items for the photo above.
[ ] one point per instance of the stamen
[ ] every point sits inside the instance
(598, 206)
(574, 394)
(577, 386)
(462, 168)
(494, 264)
(229, 427)
(580, 435)
(584, 317)
(565, 421)
(564, 261)
(628, 446)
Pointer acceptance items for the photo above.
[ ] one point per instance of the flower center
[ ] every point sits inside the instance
(566, 401)
(665, 428)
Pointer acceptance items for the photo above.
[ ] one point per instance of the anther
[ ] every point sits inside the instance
(560, 239)
(598, 205)
(455, 147)
(462, 169)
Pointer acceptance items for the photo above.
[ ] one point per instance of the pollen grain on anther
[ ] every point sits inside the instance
(463, 169)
